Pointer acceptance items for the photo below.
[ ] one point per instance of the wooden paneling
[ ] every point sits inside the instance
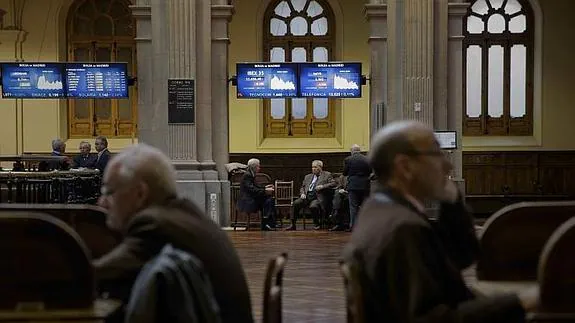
(294, 167)
(519, 173)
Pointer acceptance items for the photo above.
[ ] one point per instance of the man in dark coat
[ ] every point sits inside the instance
(255, 197)
(410, 267)
(139, 191)
(356, 168)
(103, 156)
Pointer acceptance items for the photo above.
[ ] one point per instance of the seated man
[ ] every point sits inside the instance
(340, 200)
(313, 194)
(409, 266)
(255, 197)
(84, 160)
(140, 193)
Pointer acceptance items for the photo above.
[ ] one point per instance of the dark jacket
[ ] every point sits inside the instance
(252, 195)
(356, 168)
(324, 179)
(102, 161)
(178, 222)
(172, 287)
(56, 164)
(411, 267)
(88, 161)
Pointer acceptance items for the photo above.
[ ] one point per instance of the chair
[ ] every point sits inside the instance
(284, 197)
(45, 265)
(272, 300)
(353, 291)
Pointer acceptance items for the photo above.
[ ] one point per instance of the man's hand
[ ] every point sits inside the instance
(319, 187)
(342, 191)
(302, 196)
(450, 192)
(529, 298)
(269, 190)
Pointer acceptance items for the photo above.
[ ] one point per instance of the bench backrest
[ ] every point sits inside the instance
(45, 264)
(512, 239)
(557, 271)
(88, 221)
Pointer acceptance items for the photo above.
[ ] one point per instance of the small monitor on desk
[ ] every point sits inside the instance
(447, 139)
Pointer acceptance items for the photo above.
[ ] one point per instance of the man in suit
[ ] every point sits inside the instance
(85, 159)
(356, 168)
(314, 194)
(62, 163)
(140, 193)
(340, 200)
(103, 156)
(410, 267)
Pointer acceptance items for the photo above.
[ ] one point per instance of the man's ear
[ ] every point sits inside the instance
(402, 166)
(143, 193)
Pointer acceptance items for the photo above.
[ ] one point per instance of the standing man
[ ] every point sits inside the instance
(410, 267)
(356, 168)
(103, 153)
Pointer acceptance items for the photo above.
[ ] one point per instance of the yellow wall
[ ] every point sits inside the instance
(246, 116)
(43, 120)
(554, 128)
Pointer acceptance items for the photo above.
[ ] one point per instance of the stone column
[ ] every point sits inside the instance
(457, 11)
(181, 44)
(411, 60)
(221, 15)
(204, 89)
(175, 42)
(376, 14)
(440, 90)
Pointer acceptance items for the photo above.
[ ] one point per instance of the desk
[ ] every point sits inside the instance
(101, 310)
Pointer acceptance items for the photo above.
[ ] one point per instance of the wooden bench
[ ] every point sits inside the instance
(46, 272)
(556, 276)
(87, 220)
(512, 239)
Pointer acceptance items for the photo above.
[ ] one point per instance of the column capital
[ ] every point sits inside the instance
(141, 12)
(373, 10)
(222, 11)
(458, 9)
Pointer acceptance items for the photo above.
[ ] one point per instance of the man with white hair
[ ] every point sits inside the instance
(313, 194)
(140, 193)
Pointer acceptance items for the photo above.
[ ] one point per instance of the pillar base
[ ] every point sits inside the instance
(211, 194)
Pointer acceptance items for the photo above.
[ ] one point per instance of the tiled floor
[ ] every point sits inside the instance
(313, 287)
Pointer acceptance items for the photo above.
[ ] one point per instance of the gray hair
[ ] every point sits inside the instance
(387, 143)
(317, 163)
(355, 148)
(103, 139)
(84, 142)
(58, 144)
(252, 164)
(150, 165)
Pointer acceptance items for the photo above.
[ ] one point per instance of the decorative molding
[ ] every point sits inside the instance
(140, 12)
(372, 11)
(458, 9)
(223, 12)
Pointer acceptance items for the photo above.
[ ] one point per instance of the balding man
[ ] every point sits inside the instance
(356, 168)
(139, 191)
(411, 267)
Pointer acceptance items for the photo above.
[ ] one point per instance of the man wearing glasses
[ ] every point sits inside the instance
(410, 267)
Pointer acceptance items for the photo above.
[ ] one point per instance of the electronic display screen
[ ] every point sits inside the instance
(446, 139)
(97, 80)
(32, 80)
(266, 80)
(330, 80)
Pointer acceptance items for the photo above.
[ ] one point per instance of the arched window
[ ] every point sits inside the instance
(102, 31)
(498, 63)
(299, 31)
